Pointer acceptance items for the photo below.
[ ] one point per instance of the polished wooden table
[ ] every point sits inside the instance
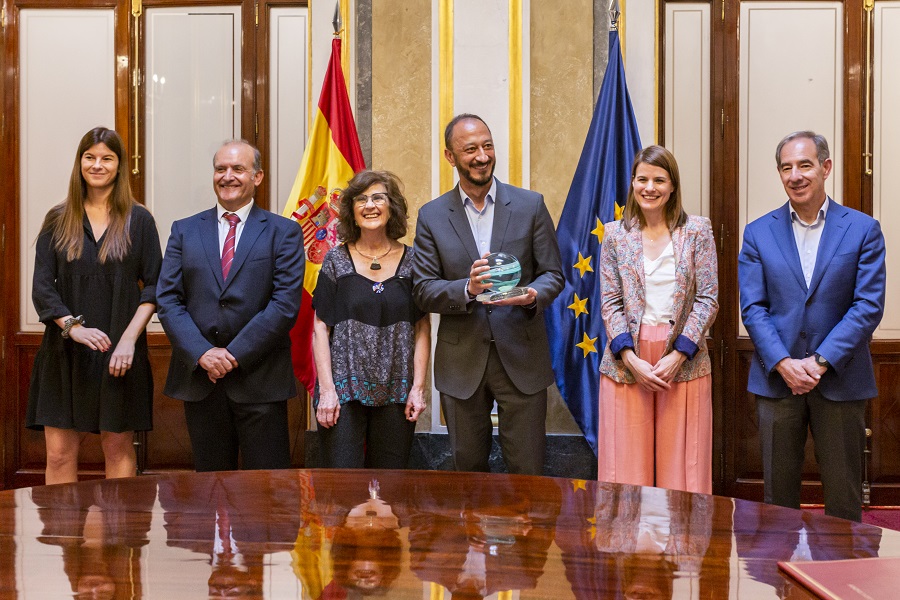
(329, 534)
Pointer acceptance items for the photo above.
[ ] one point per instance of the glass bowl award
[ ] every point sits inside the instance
(504, 273)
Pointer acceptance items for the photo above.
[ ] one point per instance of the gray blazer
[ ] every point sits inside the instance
(445, 251)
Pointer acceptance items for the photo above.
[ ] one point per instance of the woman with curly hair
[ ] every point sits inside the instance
(371, 343)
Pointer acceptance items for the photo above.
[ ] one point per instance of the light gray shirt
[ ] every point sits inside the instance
(481, 222)
(808, 236)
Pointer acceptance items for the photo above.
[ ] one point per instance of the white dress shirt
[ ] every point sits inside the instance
(808, 236)
(224, 225)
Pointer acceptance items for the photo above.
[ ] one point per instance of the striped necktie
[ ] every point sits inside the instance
(228, 248)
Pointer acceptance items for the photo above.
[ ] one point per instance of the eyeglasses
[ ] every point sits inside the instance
(378, 199)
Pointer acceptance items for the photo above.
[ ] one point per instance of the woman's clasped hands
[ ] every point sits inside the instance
(653, 378)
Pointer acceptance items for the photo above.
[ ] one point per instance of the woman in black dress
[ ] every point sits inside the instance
(370, 342)
(98, 258)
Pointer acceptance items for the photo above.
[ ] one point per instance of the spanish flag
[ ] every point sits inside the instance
(331, 159)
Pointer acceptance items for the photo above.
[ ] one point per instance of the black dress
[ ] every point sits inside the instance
(71, 387)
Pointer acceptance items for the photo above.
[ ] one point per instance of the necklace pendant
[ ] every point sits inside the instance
(375, 266)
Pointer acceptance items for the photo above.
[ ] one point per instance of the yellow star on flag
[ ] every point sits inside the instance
(620, 210)
(598, 231)
(593, 527)
(583, 264)
(587, 345)
(579, 484)
(579, 306)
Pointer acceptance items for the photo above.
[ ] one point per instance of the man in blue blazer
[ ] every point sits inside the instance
(496, 351)
(812, 281)
(228, 295)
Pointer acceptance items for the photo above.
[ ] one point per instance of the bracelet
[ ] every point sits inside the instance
(70, 323)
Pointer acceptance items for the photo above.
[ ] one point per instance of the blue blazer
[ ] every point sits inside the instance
(251, 314)
(835, 316)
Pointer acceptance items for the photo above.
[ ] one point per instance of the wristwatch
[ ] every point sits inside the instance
(820, 360)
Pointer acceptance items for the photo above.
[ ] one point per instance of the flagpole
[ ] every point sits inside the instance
(336, 21)
(331, 157)
(596, 196)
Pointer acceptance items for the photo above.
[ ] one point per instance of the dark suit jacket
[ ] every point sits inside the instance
(525, 514)
(835, 316)
(445, 251)
(250, 314)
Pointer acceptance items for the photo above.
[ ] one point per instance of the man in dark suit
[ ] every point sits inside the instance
(235, 522)
(812, 281)
(487, 351)
(228, 294)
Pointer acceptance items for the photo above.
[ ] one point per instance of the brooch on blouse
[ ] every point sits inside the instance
(378, 287)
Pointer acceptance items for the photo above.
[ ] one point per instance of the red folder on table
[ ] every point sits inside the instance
(860, 578)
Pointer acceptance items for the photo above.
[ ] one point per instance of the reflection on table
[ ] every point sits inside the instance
(323, 534)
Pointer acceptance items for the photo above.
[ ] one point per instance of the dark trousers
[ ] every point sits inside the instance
(374, 437)
(522, 423)
(838, 431)
(220, 430)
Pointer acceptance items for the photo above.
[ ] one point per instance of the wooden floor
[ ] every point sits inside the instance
(322, 534)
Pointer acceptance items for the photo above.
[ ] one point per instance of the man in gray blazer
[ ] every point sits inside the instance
(487, 351)
(227, 296)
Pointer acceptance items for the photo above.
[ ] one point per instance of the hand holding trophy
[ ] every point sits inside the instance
(504, 272)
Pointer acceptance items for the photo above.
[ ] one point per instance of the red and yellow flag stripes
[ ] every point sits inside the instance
(331, 158)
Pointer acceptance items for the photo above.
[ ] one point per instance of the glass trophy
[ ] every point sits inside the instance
(504, 273)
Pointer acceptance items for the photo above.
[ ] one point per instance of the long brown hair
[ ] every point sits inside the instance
(65, 220)
(656, 156)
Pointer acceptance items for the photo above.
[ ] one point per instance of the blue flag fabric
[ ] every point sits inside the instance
(577, 335)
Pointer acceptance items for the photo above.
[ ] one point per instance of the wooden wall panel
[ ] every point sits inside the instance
(744, 473)
(886, 147)
(166, 448)
(686, 121)
(744, 470)
(884, 421)
(30, 453)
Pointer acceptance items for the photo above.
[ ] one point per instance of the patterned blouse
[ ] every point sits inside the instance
(694, 305)
(372, 329)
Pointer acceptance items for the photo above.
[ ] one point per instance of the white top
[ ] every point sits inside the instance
(655, 524)
(659, 288)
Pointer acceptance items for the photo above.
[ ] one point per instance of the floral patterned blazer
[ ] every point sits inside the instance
(622, 296)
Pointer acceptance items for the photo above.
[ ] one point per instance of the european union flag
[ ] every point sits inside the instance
(597, 196)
